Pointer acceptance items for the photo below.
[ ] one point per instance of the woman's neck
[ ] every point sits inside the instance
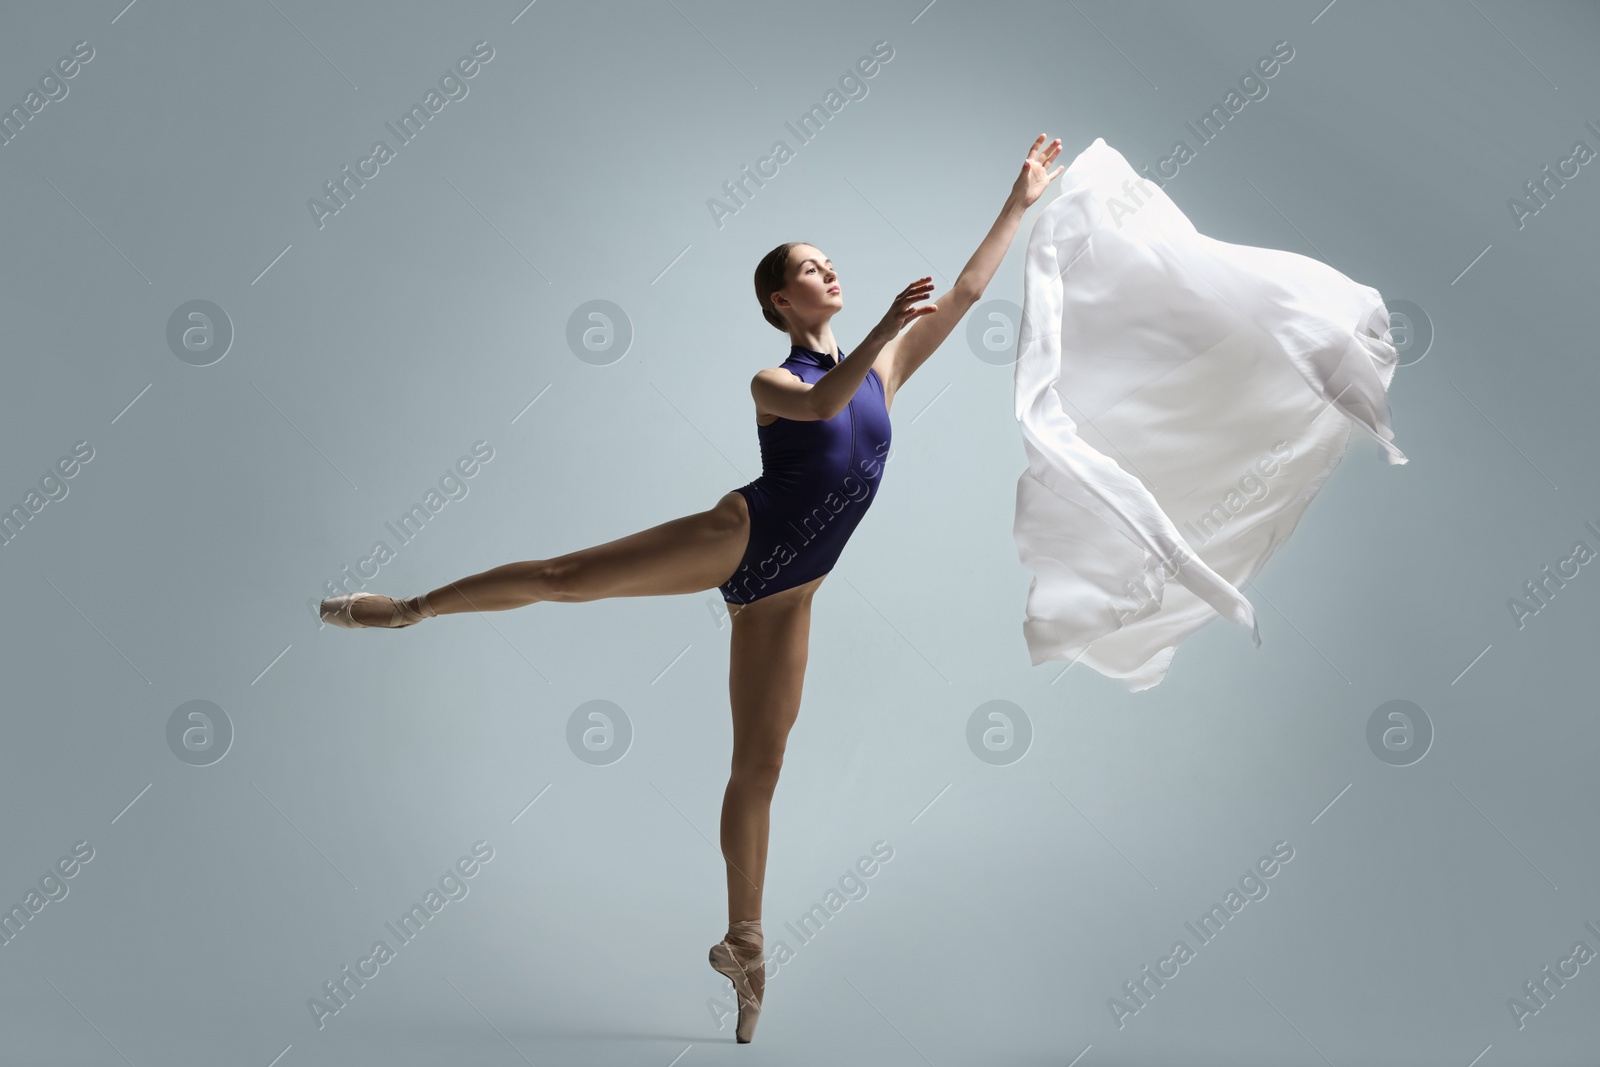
(820, 340)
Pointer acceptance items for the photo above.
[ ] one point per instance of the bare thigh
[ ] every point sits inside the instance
(685, 555)
(769, 648)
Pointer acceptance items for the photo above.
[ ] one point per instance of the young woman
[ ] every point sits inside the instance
(823, 422)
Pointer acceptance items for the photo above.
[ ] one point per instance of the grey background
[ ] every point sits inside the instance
(430, 311)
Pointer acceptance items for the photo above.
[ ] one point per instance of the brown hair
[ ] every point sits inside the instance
(772, 273)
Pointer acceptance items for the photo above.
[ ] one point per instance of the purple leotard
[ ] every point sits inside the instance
(818, 477)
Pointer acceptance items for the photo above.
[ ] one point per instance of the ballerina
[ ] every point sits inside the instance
(823, 421)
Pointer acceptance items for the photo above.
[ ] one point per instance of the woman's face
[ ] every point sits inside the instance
(813, 291)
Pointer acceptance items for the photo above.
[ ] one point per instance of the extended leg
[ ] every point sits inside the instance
(684, 555)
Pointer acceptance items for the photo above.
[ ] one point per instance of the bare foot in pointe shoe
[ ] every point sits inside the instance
(738, 957)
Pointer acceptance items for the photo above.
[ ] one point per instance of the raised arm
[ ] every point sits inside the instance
(783, 394)
(903, 355)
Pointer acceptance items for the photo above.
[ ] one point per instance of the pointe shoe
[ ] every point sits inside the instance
(336, 610)
(726, 960)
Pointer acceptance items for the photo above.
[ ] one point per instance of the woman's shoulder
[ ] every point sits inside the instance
(783, 371)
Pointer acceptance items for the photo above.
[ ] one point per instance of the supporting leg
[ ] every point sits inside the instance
(769, 648)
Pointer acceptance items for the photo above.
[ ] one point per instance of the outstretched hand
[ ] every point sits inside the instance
(901, 310)
(1035, 176)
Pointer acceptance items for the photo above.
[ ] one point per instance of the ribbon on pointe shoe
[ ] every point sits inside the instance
(410, 611)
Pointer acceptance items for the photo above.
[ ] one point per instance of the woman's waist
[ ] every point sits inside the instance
(848, 480)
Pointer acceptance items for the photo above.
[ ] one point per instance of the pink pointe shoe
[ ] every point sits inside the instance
(336, 610)
(736, 963)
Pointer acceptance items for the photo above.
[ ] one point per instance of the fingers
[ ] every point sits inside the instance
(915, 291)
(1050, 152)
(901, 312)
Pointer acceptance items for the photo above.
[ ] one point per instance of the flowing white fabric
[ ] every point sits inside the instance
(1211, 389)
